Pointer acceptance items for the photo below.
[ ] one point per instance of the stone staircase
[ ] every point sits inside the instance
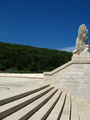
(43, 103)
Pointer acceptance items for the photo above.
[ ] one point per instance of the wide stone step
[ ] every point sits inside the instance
(44, 103)
(11, 107)
(74, 110)
(66, 110)
(14, 96)
(43, 113)
(30, 109)
(57, 111)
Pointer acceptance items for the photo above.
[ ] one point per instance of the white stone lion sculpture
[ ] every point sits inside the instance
(82, 40)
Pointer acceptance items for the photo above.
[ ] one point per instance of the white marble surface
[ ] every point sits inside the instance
(9, 82)
(74, 79)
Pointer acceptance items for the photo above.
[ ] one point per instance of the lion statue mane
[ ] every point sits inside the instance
(82, 40)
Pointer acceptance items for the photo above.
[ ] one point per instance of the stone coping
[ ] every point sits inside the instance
(78, 59)
(58, 69)
(22, 75)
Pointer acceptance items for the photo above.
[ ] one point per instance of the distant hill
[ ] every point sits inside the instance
(20, 58)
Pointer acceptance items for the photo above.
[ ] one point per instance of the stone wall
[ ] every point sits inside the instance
(73, 78)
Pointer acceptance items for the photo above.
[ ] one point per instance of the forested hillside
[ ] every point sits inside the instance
(19, 58)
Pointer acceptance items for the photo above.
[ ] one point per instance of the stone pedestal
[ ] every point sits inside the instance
(81, 59)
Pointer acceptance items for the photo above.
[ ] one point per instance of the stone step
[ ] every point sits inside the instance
(17, 95)
(30, 109)
(11, 107)
(83, 114)
(43, 113)
(48, 103)
(67, 109)
(57, 111)
(74, 110)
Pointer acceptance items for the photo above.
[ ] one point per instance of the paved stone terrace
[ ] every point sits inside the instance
(10, 81)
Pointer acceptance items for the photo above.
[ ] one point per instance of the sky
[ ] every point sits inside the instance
(49, 24)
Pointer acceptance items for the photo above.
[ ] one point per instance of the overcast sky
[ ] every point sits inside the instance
(43, 23)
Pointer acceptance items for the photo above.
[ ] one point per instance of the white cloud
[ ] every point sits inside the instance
(68, 49)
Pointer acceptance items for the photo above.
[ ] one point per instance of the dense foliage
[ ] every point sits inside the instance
(20, 58)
